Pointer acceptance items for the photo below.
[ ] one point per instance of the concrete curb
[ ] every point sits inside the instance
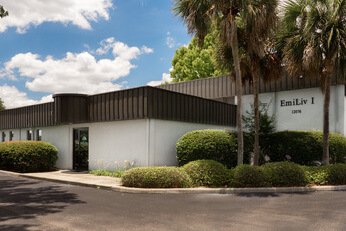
(190, 190)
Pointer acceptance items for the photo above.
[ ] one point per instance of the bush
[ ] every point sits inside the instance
(316, 175)
(248, 176)
(215, 145)
(156, 177)
(102, 172)
(302, 147)
(27, 156)
(284, 174)
(208, 173)
(337, 174)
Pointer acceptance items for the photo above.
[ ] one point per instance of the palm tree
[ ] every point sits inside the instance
(312, 41)
(199, 16)
(259, 20)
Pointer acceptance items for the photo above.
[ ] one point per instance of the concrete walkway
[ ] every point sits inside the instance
(112, 183)
(72, 177)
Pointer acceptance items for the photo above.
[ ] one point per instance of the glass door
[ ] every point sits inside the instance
(81, 149)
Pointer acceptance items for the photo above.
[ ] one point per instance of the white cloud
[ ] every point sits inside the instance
(76, 72)
(147, 50)
(24, 14)
(166, 78)
(121, 49)
(170, 41)
(12, 97)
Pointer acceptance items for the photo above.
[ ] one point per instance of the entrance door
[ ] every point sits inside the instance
(81, 149)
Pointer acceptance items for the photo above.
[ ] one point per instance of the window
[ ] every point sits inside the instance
(28, 134)
(11, 135)
(38, 134)
(3, 136)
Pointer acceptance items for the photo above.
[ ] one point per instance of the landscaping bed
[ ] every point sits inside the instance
(209, 173)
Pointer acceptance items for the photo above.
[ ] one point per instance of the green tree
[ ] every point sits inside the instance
(196, 62)
(3, 12)
(199, 16)
(312, 41)
(2, 106)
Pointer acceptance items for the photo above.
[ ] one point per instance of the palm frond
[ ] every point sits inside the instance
(195, 15)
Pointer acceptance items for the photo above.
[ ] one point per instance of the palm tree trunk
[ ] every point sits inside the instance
(239, 90)
(256, 149)
(327, 83)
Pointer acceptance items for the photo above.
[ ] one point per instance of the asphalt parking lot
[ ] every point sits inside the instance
(27, 204)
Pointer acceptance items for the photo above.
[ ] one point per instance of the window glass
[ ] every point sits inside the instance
(3, 136)
(11, 135)
(28, 134)
(38, 134)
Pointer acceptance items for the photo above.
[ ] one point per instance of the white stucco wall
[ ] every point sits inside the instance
(16, 134)
(344, 115)
(111, 144)
(164, 135)
(61, 137)
(146, 142)
(309, 115)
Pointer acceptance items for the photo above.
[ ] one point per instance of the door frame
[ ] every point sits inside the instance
(75, 167)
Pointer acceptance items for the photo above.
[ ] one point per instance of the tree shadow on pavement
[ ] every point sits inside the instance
(269, 194)
(19, 227)
(28, 199)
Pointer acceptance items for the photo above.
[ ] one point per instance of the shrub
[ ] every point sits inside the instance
(248, 176)
(102, 172)
(215, 145)
(337, 174)
(284, 174)
(316, 175)
(207, 173)
(27, 156)
(156, 177)
(302, 147)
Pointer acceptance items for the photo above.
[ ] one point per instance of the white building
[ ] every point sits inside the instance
(139, 126)
(296, 103)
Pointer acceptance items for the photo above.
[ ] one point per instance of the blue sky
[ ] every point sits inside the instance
(85, 46)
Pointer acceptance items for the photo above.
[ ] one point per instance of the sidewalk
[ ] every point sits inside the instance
(112, 183)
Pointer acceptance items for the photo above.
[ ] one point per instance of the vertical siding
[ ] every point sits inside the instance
(180, 107)
(120, 105)
(137, 103)
(221, 87)
(40, 115)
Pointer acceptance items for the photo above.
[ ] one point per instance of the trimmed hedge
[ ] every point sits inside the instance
(27, 156)
(212, 174)
(208, 173)
(336, 174)
(302, 147)
(217, 145)
(247, 176)
(156, 177)
(284, 174)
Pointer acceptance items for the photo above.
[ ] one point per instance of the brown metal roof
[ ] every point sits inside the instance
(136, 103)
(224, 87)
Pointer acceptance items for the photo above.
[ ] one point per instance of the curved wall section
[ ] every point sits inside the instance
(70, 108)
